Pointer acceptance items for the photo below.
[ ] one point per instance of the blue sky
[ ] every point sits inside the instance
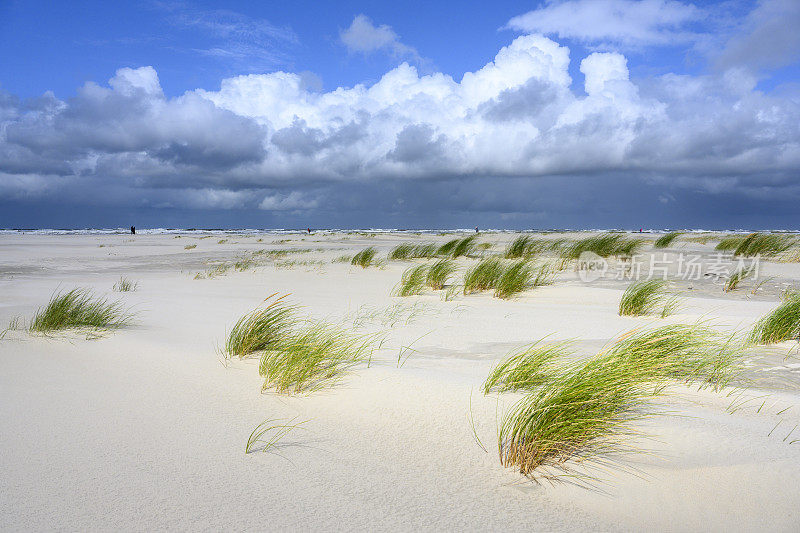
(175, 113)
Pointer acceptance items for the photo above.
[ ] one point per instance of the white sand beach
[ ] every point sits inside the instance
(144, 428)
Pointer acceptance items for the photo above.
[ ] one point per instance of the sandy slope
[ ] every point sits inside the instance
(145, 429)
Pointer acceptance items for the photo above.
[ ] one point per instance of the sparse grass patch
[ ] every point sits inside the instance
(737, 277)
(276, 431)
(529, 368)
(667, 239)
(222, 241)
(413, 281)
(125, 285)
(364, 258)
(644, 297)
(342, 259)
(439, 273)
(79, 308)
(190, 247)
(780, 325)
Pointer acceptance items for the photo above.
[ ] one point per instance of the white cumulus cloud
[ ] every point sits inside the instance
(622, 22)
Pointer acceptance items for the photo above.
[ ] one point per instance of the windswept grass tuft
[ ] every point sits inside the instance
(644, 297)
(276, 431)
(411, 251)
(585, 415)
(447, 248)
(365, 257)
(526, 246)
(190, 247)
(604, 245)
(729, 244)
(261, 329)
(465, 247)
(737, 277)
(780, 325)
(763, 244)
(483, 276)
(413, 281)
(314, 357)
(529, 368)
(517, 277)
(439, 273)
(79, 308)
(295, 357)
(688, 352)
(665, 240)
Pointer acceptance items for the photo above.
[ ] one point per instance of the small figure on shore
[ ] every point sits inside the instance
(133, 230)
(476, 229)
(309, 231)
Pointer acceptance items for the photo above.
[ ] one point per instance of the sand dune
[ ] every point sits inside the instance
(145, 428)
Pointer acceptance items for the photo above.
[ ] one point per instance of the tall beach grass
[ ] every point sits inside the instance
(439, 273)
(647, 297)
(529, 368)
(365, 257)
(261, 329)
(79, 308)
(316, 356)
(667, 239)
(782, 324)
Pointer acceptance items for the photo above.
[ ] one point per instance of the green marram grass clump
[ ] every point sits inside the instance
(125, 285)
(647, 297)
(261, 329)
(295, 355)
(763, 244)
(529, 368)
(439, 273)
(667, 239)
(729, 244)
(604, 245)
(526, 246)
(741, 273)
(484, 275)
(407, 251)
(79, 309)
(413, 281)
(521, 276)
(587, 414)
(312, 358)
(782, 324)
(365, 257)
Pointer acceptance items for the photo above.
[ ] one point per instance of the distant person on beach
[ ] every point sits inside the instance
(133, 230)
(309, 231)
(476, 229)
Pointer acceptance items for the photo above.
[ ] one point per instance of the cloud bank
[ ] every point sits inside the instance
(267, 142)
